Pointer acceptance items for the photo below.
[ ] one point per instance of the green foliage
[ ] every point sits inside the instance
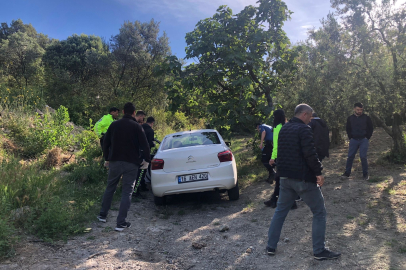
(243, 59)
(20, 56)
(7, 238)
(37, 133)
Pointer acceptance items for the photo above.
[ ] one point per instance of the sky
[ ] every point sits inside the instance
(62, 18)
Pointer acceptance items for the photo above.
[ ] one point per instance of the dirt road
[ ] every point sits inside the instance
(366, 222)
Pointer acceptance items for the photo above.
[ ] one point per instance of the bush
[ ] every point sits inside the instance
(52, 223)
(7, 238)
(37, 133)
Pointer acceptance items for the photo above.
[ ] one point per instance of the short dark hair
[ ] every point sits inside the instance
(257, 124)
(315, 115)
(150, 120)
(140, 113)
(113, 109)
(129, 108)
(359, 105)
(301, 108)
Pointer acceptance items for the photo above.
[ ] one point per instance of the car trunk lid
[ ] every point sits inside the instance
(191, 158)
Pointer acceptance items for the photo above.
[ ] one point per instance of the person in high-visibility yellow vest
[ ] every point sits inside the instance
(103, 124)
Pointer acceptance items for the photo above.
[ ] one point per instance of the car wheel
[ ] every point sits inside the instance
(159, 200)
(234, 193)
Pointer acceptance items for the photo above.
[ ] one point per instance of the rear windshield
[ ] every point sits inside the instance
(190, 139)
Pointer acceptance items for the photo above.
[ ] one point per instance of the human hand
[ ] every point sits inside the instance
(144, 165)
(320, 180)
(271, 162)
(260, 146)
(106, 164)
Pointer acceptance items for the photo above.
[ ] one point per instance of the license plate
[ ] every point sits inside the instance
(193, 177)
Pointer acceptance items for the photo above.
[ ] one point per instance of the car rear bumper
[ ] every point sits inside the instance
(221, 177)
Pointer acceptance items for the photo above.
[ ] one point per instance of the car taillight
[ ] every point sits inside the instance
(225, 156)
(157, 164)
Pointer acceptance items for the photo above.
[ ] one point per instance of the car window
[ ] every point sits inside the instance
(190, 139)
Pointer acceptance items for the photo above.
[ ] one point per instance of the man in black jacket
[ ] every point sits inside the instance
(149, 133)
(122, 146)
(321, 136)
(300, 174)
(359, 130)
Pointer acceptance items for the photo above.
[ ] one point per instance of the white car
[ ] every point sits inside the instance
(193, 161)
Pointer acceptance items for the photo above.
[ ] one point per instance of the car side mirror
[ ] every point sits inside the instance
(228, 143)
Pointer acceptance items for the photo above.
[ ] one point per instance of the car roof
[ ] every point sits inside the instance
(192, 131)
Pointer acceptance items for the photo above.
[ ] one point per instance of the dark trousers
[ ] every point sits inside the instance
(116, 170)
(275, 193)
(362, 145)
(266, 156)
(101, 142)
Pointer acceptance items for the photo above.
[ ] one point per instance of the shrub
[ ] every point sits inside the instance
(52, 223)
(37, 133)
(7, 238)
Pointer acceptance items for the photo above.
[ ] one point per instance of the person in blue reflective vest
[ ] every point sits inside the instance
(266, 145)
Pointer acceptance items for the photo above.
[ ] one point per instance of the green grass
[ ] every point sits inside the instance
(249, 168)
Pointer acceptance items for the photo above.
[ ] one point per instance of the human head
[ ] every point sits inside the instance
(304, 112)
(314, 115)
(279, 117)
(114, 112)
(257, 126)
(139, 116)
(129, 109)
(358, 108)
(150, 121)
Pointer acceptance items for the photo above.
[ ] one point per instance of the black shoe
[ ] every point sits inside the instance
(271, 202)
(294, 206)
(270, 178)
(327, 255)
(121, 227)
(144, 188)
(102, 219)
(270, 251)
(345, 176)
(366, 177)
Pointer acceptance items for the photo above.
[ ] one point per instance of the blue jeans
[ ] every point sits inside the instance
(116, 170)
(362, 145)
(312, 196)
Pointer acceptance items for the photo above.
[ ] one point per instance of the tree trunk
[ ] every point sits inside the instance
(399, 147)
(336, 138)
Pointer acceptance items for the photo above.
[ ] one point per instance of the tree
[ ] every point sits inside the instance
(75, 72)
(378, 39)
(135, 52)
(325, 78)
(241, 60)
(20, 58)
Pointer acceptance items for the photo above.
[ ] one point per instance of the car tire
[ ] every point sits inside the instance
(160, 200)
(234, 193)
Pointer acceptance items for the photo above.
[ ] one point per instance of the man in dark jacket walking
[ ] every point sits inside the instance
(359, 130)
(321, 136)
(300, 174)
(122, 145)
